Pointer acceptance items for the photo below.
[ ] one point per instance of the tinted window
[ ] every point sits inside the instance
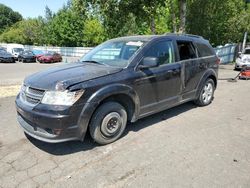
(247, 51)
(204, 50)
(186, 50)
(27, 53)
(162, 50)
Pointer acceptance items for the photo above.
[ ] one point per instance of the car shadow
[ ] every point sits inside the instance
(88, 144)
(158, 117)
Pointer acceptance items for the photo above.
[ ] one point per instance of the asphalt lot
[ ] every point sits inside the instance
(14, 73)
(182, 147)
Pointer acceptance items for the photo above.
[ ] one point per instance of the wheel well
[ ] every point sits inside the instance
(125, 101)
(214, 79)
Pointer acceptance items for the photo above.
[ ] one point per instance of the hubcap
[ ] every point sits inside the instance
(111, 124)
(207, 93)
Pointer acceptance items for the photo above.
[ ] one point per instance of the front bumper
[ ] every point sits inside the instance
(45, 60)
(29, 60)
(239, 64)
(41, 134)
(7, 60)
(53, 125)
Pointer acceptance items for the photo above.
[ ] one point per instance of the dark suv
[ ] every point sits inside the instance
(121, 80)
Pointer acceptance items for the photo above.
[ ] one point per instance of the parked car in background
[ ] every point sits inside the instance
(26, 56)
(120, 81)
(2, 49)
(50, 57)
(38, 53)
(6, 57)
(243, 59)
(15, 49)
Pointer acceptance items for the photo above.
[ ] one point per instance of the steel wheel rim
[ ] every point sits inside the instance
(111, 124)
(207, 93)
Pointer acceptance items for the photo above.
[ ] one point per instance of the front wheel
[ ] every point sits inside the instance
(206, 94)
(108, 123)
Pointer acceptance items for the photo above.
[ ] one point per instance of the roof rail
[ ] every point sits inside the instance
(184, 34)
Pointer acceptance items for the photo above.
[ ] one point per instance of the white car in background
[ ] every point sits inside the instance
(243, 59)
(15, 49)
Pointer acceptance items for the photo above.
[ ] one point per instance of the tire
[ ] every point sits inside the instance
(206, 94)
(108, 123)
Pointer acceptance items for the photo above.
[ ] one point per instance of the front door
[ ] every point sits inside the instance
(162, 83)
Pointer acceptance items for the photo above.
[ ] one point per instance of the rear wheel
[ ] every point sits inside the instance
(108, 123)
(206, 94)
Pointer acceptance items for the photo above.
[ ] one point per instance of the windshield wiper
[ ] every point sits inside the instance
(95, 62)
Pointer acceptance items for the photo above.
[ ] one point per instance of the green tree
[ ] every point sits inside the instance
(66, 29)
(131, 17)
(216, 20)
(93, 32)
(25, 32)
(8, 17)
(48, 14)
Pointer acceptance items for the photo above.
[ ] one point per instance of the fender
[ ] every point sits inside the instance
(209, 72)
(100, 95)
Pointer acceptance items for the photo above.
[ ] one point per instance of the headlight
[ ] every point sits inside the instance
(65, 98)
(23, 88)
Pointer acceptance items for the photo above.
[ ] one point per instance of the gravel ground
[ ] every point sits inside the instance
(182, 147)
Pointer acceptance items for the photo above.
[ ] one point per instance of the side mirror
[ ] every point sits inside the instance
(149, 62)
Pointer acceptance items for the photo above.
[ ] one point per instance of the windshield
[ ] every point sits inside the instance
(113, 53)
(37, 52)
(17, 49)
(28, 53)
(247, 51)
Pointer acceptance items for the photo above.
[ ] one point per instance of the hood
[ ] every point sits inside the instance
(245, 56)
(68, 74)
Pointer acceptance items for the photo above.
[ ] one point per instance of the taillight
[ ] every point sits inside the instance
(218, 61)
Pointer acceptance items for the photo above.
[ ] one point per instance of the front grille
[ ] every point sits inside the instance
(35, 91)
(32, 95)
(32, 100)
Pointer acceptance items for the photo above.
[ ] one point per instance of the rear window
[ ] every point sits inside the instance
(186, 50)
(247, 51)
(204, 50)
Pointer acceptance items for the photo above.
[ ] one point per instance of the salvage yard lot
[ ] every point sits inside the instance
(185, 146)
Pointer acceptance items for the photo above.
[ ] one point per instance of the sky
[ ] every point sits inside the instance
(33, 8)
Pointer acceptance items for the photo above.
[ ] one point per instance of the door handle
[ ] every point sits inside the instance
(174, 71)
(177, 70)
(202, 65)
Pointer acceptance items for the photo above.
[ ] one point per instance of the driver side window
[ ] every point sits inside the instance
(162, 50)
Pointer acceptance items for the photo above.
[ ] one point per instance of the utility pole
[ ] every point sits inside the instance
(245, 35)
(183, 13)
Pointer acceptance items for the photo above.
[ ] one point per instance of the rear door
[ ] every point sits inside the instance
(192, 67)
